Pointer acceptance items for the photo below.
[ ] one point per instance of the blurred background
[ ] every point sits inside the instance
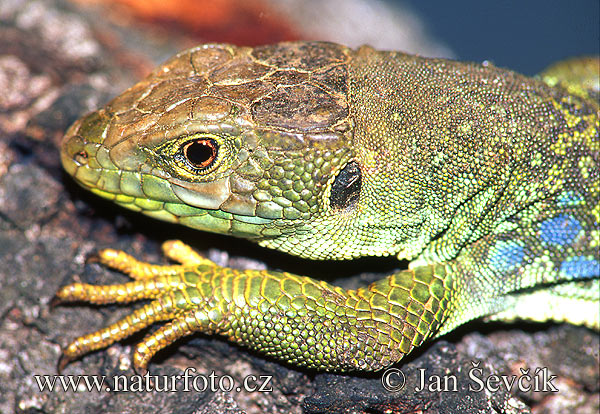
(523, 35)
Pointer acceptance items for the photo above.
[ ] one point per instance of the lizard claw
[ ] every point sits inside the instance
(141, 371)
(55, 301)
(93, 258)
(63, 361)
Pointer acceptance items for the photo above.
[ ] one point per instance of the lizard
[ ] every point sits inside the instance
(484, 179)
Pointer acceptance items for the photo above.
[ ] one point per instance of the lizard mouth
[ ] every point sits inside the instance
(125, 175)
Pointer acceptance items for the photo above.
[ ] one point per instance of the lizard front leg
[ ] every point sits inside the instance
(294, 318)
(312, 323)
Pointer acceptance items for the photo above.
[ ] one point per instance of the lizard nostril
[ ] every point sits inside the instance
(81, 157)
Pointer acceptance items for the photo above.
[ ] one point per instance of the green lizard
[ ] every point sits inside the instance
(486, 180)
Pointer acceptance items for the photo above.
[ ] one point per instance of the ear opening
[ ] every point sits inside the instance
(345, 190)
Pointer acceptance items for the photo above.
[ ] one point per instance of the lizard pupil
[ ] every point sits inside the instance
(200, 153)
(345, 190)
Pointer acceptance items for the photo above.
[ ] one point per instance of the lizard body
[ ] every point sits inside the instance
(486, 180)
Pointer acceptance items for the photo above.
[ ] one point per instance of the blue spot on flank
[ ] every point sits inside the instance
(569, 198)
(506, 255)
(580, 268)
(559, 230)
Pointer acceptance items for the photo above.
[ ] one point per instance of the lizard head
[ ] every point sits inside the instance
(315, 149)
(249, 142)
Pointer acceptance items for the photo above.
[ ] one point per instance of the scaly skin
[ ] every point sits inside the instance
(486, 180)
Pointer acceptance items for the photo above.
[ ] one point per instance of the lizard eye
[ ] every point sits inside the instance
(200, 153)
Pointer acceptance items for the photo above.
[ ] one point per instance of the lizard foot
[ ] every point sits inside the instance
(172, 289)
